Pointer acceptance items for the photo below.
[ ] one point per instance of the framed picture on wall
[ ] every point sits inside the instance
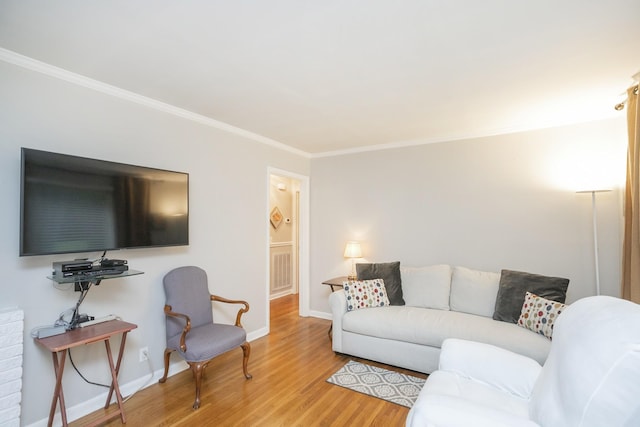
(275, 217)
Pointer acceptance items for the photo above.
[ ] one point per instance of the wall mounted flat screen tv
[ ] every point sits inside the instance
(71, 204)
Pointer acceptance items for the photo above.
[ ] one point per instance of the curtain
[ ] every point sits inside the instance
(631, 248)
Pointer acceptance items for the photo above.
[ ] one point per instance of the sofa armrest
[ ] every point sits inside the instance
(338, 304)
(495, 366)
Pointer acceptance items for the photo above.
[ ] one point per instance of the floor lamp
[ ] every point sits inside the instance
(594, 214)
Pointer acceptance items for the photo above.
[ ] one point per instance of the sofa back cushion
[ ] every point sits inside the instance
(427, 287)
(592, 375)
(389, 272)
(514, 286)
(474, 291)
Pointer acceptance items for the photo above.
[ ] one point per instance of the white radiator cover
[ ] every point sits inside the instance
(11, 348)
(281, 268)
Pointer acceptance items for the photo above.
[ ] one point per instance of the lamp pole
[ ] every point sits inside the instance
(594, 215)
(595, 240)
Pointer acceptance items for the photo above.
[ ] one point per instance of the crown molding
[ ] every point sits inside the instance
(26, 62)
(29, 63)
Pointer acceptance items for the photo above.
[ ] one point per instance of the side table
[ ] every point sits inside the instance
(59, 346)
(336, 281)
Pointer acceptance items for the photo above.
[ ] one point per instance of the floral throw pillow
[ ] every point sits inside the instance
(539, 314)
(365, 294)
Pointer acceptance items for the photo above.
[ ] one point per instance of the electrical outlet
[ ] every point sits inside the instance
(144, 353)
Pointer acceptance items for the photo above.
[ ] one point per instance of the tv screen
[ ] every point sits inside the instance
(71, 204)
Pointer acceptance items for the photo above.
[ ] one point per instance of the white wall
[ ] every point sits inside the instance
(503, 202)
(228, 220)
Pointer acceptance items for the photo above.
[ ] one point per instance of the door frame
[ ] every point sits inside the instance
(304, 306)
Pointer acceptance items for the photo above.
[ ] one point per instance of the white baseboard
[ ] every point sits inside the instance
(320, 315)
(252, 336)
(87, 407)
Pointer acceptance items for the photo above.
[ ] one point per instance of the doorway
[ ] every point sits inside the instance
(284, 201)
(288, 237)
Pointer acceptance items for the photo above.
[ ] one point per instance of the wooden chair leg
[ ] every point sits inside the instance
(197, 368)
(167, 355)
(246, 351)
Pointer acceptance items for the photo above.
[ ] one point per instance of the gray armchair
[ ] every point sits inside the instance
(191, 331)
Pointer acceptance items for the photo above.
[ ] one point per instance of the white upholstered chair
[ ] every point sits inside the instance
(590, 379)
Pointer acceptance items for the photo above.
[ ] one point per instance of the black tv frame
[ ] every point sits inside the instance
(87, 169)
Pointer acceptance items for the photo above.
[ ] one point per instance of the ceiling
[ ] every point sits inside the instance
(333, 76)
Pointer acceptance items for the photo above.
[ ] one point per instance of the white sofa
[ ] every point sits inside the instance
(590, 379)
(440, 302)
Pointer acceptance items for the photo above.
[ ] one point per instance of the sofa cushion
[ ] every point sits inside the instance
(427, 287)
(515, 284)
(365, 294)
(449, 399)
(431, 327)
(389, 272)
(474, 291)
(539, 314)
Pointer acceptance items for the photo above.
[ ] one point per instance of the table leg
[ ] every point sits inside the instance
(58, 395)
(114, 376)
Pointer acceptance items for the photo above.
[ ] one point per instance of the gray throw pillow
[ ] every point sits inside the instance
(515, 284)
(390, 273)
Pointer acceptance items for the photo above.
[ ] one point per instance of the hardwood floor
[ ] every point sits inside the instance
(289, 367)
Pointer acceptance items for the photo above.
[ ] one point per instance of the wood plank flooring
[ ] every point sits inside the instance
(289, 367)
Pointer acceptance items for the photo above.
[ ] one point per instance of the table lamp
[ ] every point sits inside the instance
(352, 250)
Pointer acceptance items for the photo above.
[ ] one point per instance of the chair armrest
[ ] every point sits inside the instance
(187, 327)
(495, 366)
(241, 311)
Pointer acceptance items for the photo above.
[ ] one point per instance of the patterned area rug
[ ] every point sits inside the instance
(378, 382)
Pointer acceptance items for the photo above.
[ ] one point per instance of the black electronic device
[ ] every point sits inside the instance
(69, 268)
(102, 271)
(106, 263)
(71, 204)
(96, 270)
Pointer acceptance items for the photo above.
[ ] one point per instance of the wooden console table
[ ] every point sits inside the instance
(59, 346)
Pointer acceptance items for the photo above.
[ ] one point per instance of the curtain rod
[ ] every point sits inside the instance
(636, 78)
(620, 106)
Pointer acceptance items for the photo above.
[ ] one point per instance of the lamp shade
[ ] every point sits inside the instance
(353, 250)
